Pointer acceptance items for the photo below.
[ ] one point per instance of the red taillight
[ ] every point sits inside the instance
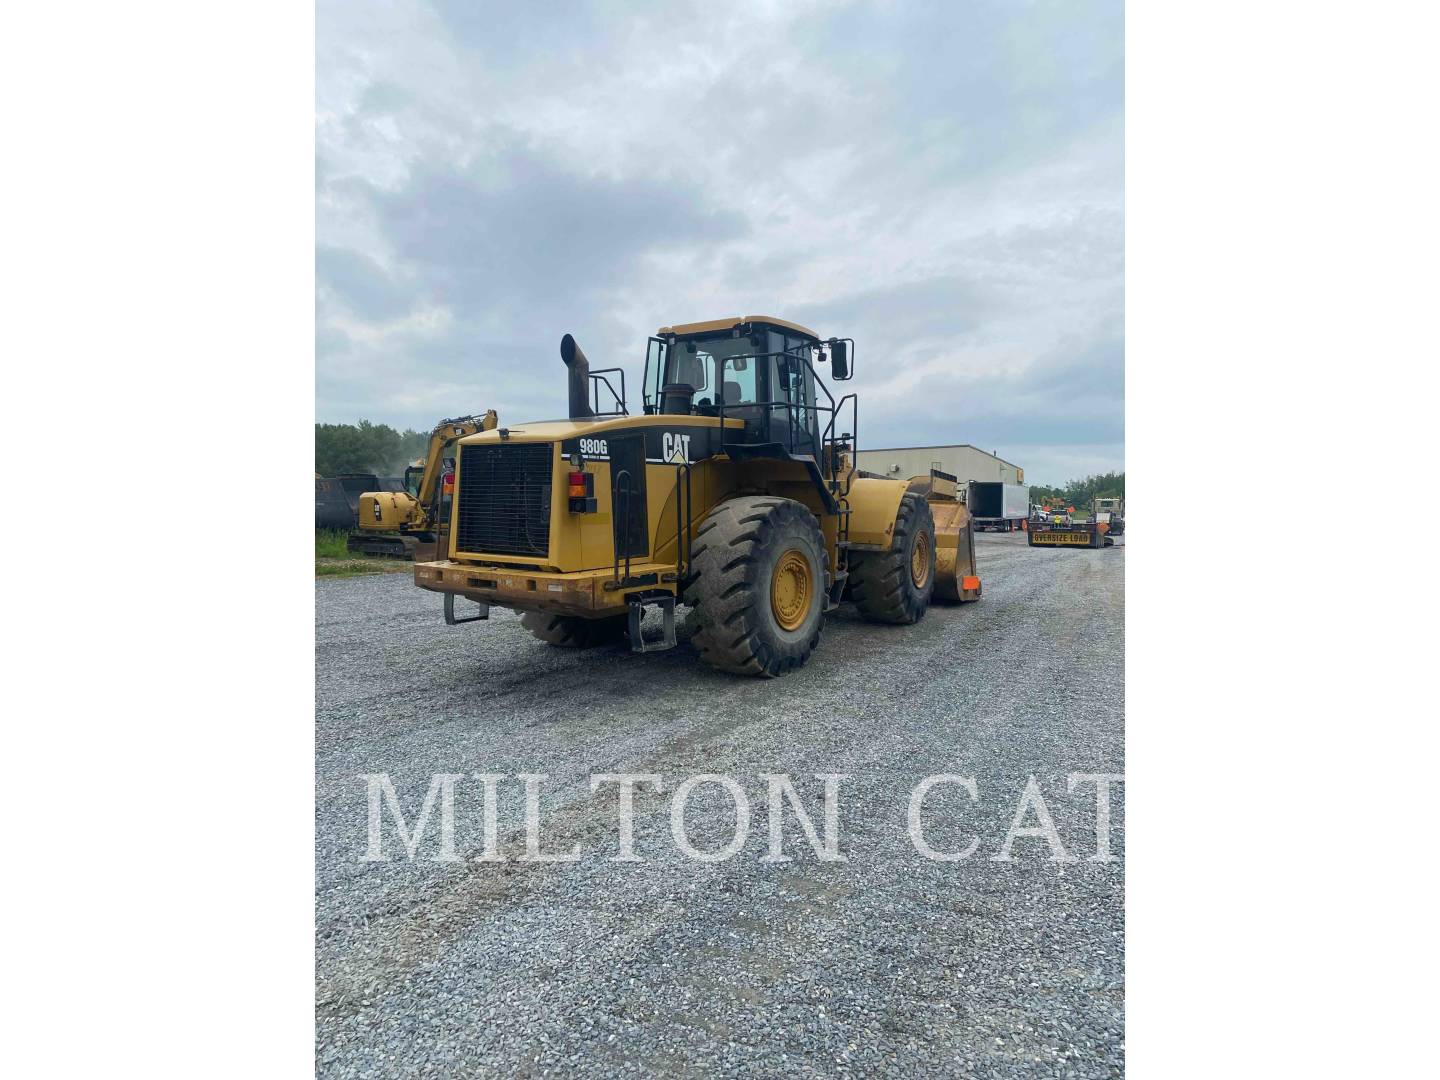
(577, 485)
(447, 483)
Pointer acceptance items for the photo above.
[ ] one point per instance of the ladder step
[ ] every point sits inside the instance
(637, 616)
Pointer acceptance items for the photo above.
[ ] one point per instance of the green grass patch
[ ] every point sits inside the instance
(333, 559)
(330, 544)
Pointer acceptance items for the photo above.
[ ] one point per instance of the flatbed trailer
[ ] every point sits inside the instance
(1089, 534)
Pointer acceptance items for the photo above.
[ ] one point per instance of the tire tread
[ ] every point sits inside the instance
(880, 581)
(725, 588)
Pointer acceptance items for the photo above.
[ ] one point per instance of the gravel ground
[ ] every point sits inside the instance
(883, 963)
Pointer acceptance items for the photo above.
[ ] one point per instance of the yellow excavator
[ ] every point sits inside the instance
(734, 492)
(402, 523)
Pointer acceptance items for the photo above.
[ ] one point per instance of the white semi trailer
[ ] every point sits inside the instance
(1000, 506)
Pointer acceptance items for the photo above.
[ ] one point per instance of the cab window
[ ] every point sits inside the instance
(654, 374)
(690, 365)
(737, 380)
(721, 369)
(792, 380)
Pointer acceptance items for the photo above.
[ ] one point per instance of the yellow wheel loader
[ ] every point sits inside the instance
(402, 523)
(733, 492)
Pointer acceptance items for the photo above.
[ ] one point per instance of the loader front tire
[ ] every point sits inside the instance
(571, 632)
(758, 591)
(895, 586)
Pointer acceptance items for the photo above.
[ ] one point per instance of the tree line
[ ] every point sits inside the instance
(364, 447)
(1080, 493)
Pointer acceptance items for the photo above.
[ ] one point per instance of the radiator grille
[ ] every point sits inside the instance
(504, 499)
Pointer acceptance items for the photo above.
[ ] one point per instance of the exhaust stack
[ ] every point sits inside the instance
(579, 379)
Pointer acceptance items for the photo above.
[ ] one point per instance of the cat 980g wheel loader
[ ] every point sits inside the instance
(733, 492)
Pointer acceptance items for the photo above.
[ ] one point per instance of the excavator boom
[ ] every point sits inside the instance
(445, 433)
(397, 522)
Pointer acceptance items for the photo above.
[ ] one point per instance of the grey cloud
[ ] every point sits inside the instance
(970, 89)
(509, 35)
(948, 305)
(944, 182)
(1062, 399)
(360, 283)
(535, 229)
(518, 248)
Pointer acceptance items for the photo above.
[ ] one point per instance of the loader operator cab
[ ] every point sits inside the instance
(758, 371)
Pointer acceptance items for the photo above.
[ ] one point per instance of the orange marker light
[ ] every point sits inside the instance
(969, 583)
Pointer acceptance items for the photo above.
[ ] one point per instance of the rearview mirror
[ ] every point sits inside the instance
(839, 360)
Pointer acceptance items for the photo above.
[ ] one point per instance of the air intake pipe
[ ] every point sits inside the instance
(579, 379)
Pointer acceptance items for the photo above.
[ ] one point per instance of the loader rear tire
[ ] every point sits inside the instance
(572, 632)
(758, 594)
(895, 586)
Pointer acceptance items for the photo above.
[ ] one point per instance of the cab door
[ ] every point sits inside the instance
(794, 423)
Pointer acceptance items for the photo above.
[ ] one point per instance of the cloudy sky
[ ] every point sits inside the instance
(942, 182)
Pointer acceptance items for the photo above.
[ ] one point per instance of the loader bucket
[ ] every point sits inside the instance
(955, 576)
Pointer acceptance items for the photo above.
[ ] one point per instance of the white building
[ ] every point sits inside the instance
(964, 462)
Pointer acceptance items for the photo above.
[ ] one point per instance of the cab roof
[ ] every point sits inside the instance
(683, 329)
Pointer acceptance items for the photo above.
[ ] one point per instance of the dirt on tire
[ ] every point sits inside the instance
(881, 582)
(735, 555)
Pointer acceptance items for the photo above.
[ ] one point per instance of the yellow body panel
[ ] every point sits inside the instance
(386, 511)
(874, 503)
(584, 542)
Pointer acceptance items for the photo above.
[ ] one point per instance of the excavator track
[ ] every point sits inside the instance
(395, 547)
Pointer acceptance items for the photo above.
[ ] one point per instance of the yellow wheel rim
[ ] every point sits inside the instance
(920, 560)
(790, 589)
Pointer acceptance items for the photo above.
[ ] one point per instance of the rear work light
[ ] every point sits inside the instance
(582, 492)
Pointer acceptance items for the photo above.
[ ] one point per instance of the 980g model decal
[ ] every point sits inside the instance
(668, 446)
